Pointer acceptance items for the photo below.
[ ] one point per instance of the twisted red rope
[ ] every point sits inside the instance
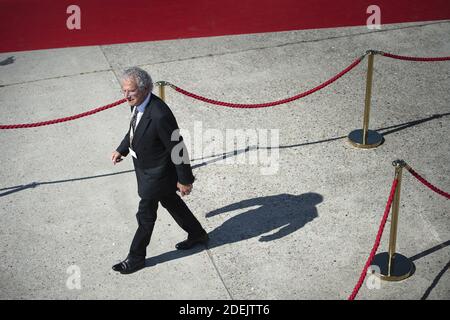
(227, 104)
(274, 103)
(426, 183)
(423, 59)
(377, 241)
(45, 123)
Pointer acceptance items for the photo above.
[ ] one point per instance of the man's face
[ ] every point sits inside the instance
(132, 93)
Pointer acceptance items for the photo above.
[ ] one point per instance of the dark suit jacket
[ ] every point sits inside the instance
(156, 173)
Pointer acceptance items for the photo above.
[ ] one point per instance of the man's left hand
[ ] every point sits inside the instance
(185, 189)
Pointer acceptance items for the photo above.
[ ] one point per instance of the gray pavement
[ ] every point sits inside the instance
(303, 232)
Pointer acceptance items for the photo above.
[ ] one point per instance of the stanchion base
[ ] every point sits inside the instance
(374, 139)
(401, 267)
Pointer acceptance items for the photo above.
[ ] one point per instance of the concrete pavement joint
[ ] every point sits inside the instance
(218, 273)
(286, 44)
(109, 64)
(54, 78)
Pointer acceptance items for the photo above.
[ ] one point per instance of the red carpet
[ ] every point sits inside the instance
(41, 24)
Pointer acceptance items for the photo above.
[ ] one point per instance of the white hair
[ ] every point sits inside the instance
(142, 78)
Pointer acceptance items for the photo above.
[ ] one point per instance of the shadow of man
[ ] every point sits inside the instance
(270, 217)
(285, 212)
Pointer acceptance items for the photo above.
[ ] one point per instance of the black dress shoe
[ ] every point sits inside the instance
(129, 265)
(190, 242)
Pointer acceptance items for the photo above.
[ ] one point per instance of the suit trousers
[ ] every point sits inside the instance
(146, 217)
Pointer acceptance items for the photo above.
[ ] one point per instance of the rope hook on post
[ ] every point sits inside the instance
(394, 266)
(162, 89)
(365, 138)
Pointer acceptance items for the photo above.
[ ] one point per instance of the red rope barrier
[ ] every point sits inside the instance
(377, 241)
(232, 105)
(274, 103)
(423, 59)
(426, 183)
(45, 123)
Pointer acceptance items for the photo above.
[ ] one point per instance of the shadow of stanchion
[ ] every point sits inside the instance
(435, 281)
(36, 184)
(410, 124)
(269, 218)
(430, 251)
(216, 158)
(7, 61)
(18, 188)
(390, 130)
(440, 274)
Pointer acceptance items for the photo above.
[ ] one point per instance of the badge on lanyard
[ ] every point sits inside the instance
(132, 153)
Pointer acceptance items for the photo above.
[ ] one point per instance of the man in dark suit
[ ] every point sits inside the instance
(161, 164)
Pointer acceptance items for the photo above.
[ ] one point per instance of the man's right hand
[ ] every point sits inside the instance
(116, 157)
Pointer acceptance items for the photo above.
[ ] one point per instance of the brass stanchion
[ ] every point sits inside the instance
(365, 138)
(162, 89)
(394, 266)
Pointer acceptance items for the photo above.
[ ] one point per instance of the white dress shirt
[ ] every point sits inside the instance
(141, 109)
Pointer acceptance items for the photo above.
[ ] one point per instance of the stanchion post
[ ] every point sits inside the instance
(365, 138)
(394, 266)
(368, 98)
(162, 89)
(399, 164)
